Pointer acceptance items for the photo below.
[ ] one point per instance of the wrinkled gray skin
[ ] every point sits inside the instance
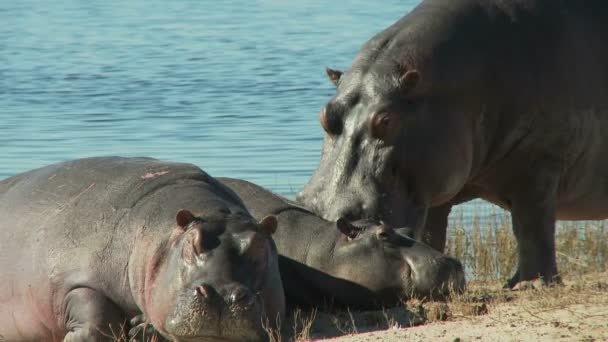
(87, 244)
(500, 99)
(364, 265)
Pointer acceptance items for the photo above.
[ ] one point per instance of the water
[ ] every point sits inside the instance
(231, 86)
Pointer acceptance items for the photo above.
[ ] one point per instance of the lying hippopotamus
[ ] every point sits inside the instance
(363, 265)
(86, 245)
(505, 100)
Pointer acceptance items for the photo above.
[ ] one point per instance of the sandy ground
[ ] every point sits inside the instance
(507, 322)
(576, 311)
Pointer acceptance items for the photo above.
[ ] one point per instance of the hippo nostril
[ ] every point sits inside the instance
(238, 295)
(202, 291)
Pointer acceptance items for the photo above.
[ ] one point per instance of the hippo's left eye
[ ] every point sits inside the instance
(383, 236)
(381, 125)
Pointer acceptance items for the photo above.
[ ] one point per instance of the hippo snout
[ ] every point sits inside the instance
(231, 296)
(436, 276)
(452, 272)
(230, 312)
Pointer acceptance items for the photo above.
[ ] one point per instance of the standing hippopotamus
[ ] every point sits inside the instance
(369, 266)
(505, 100)
(87, 244)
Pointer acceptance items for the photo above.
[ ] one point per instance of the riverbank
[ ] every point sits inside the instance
(575, 311)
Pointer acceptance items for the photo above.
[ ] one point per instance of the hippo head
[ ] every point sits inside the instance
(393, 145)
(390, 264)
(218, 278)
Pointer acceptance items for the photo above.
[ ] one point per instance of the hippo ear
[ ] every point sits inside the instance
(409, 80)
(346, 228)
(184, 218)
(269, 224)
(334, 75)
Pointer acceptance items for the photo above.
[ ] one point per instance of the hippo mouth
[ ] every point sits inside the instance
(206, 316)
(228, 327)
(436, 277)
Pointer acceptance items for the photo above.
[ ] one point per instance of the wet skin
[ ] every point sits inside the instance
(86, 245)
(464, 99)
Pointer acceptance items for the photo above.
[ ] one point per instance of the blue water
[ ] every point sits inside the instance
(231, 86)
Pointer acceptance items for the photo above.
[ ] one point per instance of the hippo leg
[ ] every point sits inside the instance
(90, 316)
(533, 218)
(436, 226)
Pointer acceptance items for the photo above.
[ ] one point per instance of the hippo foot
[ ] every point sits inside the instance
(536, 284)
(517, 284)
(141, 330)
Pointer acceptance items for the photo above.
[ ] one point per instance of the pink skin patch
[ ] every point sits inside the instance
(154, 174)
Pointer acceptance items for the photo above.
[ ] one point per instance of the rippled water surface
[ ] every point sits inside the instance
(232, 86)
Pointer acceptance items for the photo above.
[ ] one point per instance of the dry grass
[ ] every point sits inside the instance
(575, 311)
(489, 252)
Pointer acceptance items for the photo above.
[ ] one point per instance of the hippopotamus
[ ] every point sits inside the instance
(86, 245)
(504, 100)
(363, 264)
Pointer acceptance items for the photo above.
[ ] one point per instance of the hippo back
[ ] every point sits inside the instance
(131, 230)
(260, 201)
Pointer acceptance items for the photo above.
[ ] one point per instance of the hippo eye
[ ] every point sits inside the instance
(381, 124)
(384, 233)
(383, 236)
(330, 122)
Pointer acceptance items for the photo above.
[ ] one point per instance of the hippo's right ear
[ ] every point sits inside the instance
(334, 75)
(183, 218)
(269, 224)
(346, 228)
(409, 80)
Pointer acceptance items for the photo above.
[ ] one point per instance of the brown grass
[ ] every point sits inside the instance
(489, 252)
